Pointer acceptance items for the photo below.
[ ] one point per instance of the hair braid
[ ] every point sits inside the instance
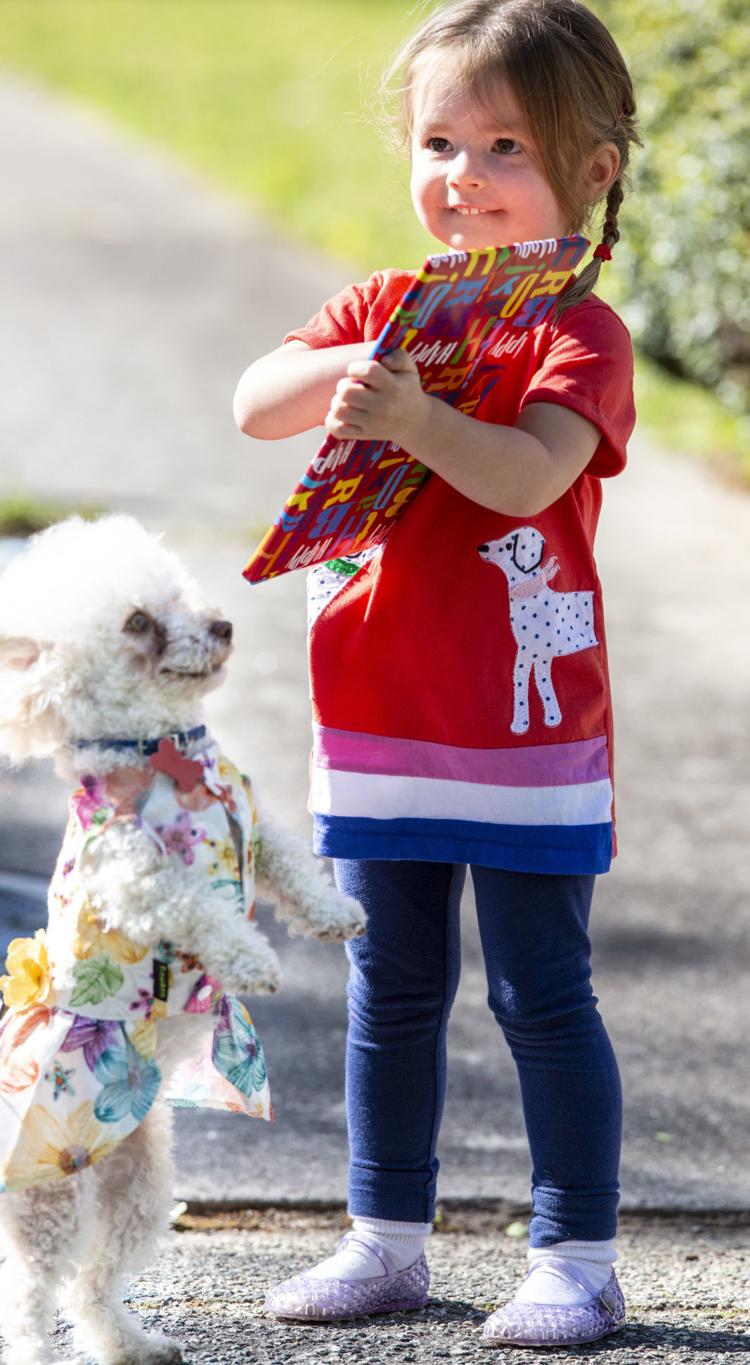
(610, 230)
(584, 283)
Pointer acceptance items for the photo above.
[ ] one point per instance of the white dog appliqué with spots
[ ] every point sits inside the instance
(545, 624)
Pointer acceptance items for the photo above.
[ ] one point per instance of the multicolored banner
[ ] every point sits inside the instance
(463, 309)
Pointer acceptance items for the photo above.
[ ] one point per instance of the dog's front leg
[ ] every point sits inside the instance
(306, 898)
(149, 896)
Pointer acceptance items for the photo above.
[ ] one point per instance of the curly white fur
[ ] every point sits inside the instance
(103, 635)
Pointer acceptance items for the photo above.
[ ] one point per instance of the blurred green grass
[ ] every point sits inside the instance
(286, 124)
(294, 127)
(22, 515)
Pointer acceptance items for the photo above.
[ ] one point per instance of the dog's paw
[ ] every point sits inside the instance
(153, 1349)
(147, 1348)
(119, 1338)
(332, 919)
(158, 1349)
(20, 1353)
(255, 969)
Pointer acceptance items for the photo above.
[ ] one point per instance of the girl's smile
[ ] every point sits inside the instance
(476, 180)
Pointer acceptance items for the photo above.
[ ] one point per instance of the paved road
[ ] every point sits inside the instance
(133, 296)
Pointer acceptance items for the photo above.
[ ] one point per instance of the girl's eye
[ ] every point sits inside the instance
(507, 146)
(437, 144)
(139, 623)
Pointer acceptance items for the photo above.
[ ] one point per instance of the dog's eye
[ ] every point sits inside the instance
(139, 623)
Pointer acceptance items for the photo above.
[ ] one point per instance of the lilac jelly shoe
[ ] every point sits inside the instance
(314, 1300)
(555, 1324)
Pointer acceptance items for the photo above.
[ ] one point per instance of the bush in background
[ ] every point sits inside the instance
(685, 249)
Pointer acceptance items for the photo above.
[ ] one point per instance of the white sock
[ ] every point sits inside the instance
(403, 1241)
(595, 1259)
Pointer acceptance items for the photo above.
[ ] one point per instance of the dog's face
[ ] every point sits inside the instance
(519, 553)
(102, 633)
(169, 645)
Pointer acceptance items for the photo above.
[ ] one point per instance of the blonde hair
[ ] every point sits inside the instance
(568, 77)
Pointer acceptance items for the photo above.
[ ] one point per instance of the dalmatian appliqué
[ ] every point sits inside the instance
(546, 624)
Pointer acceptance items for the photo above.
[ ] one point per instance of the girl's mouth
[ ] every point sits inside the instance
(467, 211)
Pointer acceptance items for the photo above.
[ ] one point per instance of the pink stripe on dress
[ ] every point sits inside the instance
(538, 765)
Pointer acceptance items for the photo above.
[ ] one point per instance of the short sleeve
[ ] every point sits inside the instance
(589, 368)
(358, 313)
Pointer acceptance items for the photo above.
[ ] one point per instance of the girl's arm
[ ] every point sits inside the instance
(290, 389)
(518, 470)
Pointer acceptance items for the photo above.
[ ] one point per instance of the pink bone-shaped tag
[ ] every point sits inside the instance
(185, 771)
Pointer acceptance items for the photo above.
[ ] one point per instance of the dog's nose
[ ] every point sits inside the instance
(222, 630)
(482, 549)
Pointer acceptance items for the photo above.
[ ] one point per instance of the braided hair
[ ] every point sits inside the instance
(583, 284)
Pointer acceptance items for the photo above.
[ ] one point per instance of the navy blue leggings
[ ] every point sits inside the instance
(403, 979)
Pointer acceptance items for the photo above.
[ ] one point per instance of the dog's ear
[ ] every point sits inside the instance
(528, 550)
(30, 726)
(18, 652)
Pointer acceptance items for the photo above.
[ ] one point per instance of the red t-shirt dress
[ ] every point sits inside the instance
(459, 681)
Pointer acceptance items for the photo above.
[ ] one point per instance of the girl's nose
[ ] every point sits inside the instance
(466, 169)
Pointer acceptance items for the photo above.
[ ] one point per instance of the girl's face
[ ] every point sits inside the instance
(476, 181)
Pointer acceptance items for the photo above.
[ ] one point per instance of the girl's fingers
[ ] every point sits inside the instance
(344, 431)
(342, 422)
(399, 361)
(369, 372)
(354, 396)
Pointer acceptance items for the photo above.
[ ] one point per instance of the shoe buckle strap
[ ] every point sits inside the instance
(608, 1307)
(562, 1267)
(374, 1250)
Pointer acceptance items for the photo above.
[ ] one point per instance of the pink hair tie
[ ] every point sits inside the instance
(603, 252)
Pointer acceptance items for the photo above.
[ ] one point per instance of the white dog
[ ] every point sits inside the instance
(130, 993)
(546, 624)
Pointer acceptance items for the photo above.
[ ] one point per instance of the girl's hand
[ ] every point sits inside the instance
(378, 400)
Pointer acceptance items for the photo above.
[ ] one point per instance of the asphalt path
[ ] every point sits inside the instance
(133, 297)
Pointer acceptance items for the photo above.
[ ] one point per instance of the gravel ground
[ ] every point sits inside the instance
(685, 1280)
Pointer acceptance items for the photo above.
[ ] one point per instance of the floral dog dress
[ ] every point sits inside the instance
(77, 1044)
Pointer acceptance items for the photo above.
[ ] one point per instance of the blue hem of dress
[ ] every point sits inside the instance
(554, 849)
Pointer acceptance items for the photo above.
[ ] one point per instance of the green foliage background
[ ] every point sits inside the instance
(277, 101)
(686, 248)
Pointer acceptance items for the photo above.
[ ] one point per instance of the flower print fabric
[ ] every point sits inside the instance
(28, 981)
(78, 1043)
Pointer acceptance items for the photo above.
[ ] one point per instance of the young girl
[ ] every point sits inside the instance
(438, 744)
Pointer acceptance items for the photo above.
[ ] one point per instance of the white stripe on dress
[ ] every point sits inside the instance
(426, 798)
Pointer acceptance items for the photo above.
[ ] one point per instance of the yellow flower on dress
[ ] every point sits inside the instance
(225, 858)
(143, 1036)
(227, 770)
(28, 981)
(49, 1149)
(91, 940)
